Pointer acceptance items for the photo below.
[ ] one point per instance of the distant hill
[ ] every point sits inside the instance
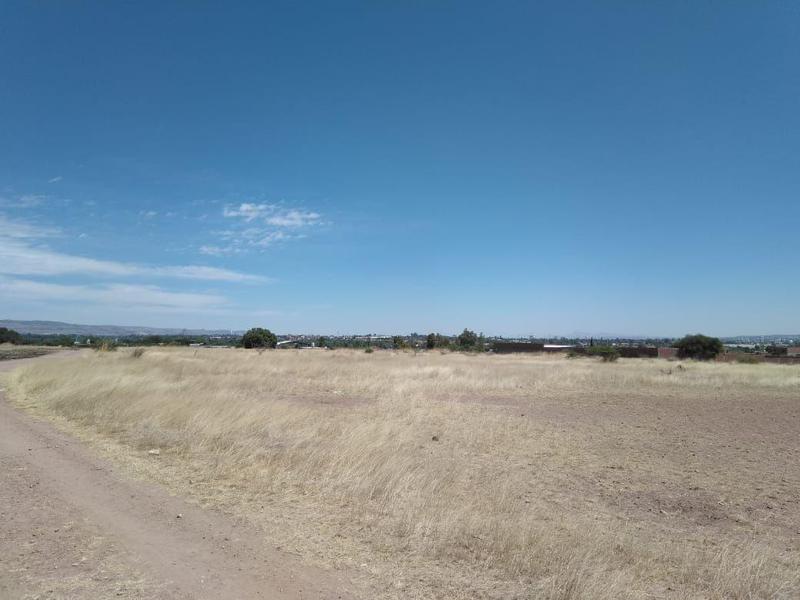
(58, 328)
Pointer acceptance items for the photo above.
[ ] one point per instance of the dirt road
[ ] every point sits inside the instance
(71, 527)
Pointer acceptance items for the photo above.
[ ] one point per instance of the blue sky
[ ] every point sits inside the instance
(516, 167)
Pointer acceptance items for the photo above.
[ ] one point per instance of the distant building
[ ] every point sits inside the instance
(637, 351)
(667, 353)
(793, 351)
(296, 344)
(509, 347)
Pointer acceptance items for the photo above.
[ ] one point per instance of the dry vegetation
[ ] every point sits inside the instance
(453, 476)
(11, 352)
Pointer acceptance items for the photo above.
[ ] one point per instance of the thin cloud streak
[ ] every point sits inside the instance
(20, 256)
(23, 201)
(116, 294)
(24, 231)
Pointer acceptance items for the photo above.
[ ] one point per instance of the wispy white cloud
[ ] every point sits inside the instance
(239, 241)
(21, 254)
(248, 211)
(273, 237)
(200, 272)
(261, 226)
(294, 218)
(148, 214)
(23, 201)
(116, 294)
(273, 214)
(55, 179)
(218, 250)
(23, 230)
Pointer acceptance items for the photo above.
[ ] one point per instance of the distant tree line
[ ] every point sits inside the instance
(467, 340)
(697, 346)
(129, 340)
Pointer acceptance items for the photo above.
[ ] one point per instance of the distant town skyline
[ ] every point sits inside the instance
(39, 327)
(518, 169)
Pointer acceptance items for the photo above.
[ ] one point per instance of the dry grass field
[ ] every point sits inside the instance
(438, 475)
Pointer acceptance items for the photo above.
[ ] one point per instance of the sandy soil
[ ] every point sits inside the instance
(72, 527)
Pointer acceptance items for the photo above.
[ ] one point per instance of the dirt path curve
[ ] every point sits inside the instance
(70, 527)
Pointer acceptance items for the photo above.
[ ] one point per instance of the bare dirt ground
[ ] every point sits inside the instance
(71, 527)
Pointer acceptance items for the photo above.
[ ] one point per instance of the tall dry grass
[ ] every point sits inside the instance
(442, 475)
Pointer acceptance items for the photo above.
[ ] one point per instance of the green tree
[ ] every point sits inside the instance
(398, 341)
(9, 336)
(699, 347)
(430, 341)
(258, 337)
(322, 342)
(467, 339)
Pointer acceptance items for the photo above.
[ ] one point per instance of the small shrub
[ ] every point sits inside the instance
(137, 352)
(101, 345)
(747, 359)
(369, 350)
(607, 353)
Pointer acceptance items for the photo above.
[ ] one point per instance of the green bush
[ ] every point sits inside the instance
(699, 347)
(258, 337)
(9, 336)
(607, 353)
(369, 350)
